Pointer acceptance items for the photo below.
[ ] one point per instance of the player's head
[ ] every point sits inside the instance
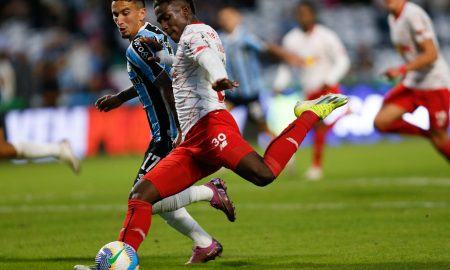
(174, 16)
(394, 6)
(129, 16)
(229, 18)
(306, 14)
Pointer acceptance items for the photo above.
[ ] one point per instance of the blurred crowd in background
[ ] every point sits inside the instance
(69, 52)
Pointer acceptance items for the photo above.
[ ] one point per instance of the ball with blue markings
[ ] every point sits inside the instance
(117, 256)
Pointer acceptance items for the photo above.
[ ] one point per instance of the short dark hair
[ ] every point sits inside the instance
(139, 2)
(309, 4)
(191, 4)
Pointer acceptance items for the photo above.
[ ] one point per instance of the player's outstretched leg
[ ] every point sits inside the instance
(215, 192)
(263, 170)
(322, 106)
(308, 114)
(62, 151)
(205, 247)
(69, 157)
(441, 141)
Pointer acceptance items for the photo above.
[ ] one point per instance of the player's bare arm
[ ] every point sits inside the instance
(211, 62)
(289, 58)
(224, 84)
(154, 45)
(161, 56)
(110, 102)
(428, 56)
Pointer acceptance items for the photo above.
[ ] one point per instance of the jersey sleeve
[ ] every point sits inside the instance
(196, 44)
(253, 42)
(198, 48)
(340, 59)
(420, 26)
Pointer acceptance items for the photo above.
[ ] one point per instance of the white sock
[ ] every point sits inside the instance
(181, 221)
(190, 195)
(33, 151)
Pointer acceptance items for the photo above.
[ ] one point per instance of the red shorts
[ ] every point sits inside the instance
(212, 143)
(437, 102)
(329, 90)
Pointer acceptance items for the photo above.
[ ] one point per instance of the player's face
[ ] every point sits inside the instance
(394, 6)
(229, 19)
(129, 17)
(173, 18)
(305, 17)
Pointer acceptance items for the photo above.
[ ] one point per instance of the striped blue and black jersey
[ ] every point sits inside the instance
(143, 74)
(243, 64)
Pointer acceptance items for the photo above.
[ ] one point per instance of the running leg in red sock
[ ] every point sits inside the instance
(137, 223)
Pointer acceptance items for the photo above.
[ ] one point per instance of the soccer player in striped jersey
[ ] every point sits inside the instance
(27, 150)
(210, 137)
(153, 85)
(325, 63)
(425, 77)
(243, 51)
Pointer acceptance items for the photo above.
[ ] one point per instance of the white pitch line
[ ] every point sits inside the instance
(369, 181)
(249, 206)
(405, 181)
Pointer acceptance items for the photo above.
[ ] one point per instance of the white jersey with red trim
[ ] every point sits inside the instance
(325, 59)
(194, 96)
(411, 28)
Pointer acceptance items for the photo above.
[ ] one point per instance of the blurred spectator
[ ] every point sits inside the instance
(7, 79)
(65, 49)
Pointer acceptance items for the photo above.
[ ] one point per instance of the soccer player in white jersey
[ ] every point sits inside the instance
(325, 63)
(153, 86)
(210, 136)
(425, 77)
(28, 150)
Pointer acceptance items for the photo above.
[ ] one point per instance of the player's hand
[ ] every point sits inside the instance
(154, 45)
(394, 73)
(295, 61)
(108, 103)
(224, 84)
(178, 139)
(152, 42)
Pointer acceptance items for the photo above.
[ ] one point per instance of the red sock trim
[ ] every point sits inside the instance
(284, 146)
(137, 223)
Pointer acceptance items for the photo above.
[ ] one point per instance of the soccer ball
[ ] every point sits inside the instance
(117, 256)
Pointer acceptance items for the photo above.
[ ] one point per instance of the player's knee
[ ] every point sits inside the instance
(145, 191)
(381, 124)
(263, 177)
(439, 137)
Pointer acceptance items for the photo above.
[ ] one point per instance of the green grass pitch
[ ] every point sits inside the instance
(381, 206)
